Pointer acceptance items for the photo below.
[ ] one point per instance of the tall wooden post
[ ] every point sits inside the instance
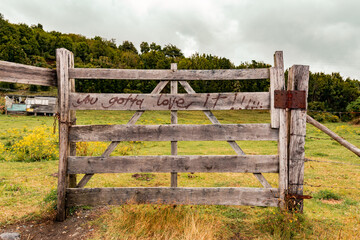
(174, 120)
(63, 63)
(72, 177)
(279, 120)
(298, 80)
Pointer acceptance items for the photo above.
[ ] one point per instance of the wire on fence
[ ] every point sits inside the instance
(335, 162)
(322, 186)
(322, 138)
(329, 112)
(22, 177)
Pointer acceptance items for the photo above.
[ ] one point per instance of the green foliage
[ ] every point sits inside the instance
(332, 91)
(285, 225)
(354, 106)
(32, 45)
(51, 198)
(324, 117)
(25, 145)
(327, 195)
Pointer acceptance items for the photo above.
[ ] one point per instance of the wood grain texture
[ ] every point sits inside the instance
(25, 74)
(233, 144)
(86, 178)
(333, 135)
(132, 74)
(63, 62)
(214, 132)
(174, 120)
(174, 163)
(277, 82)
(279, 119)
(159, 87)
(72, 177)
(298, 80)
(197, 101)
(162, 195)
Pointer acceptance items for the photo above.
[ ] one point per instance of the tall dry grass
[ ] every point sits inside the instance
(160, 222)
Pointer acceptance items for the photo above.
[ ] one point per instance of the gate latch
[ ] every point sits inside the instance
(294, 99)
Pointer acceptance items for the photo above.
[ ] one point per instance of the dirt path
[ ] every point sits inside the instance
(74, 227)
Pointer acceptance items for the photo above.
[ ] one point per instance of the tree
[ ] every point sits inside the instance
(82, 50)
(144, 47)
(172, 51)
(155, 47)
(128, 46)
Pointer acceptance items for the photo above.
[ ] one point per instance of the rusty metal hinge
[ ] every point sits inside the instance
(290, 99)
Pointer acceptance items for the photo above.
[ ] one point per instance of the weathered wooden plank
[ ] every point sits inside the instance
(72, 177)
(63, 62)
(86, 178)
(279, 120)
(283, 155)
(174, 120)
(214, 132)
(162, 195)
(277, 82)
(25, 74)
(298, 80)
(174, 163)
(159, 87)
(333, 135)
(197, 101)
(132, 74)
(233, 144)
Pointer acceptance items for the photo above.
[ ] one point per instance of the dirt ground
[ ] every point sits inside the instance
(74, 227)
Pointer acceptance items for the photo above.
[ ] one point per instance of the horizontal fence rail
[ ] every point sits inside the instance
(131, 164)
(218, 196)
(197, 101)
(25, 74)
(188, 132)
(132, 74)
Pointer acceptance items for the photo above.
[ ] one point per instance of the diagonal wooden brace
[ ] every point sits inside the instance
(233, 144)
(114, 144)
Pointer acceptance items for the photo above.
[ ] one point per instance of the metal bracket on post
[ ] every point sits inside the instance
(290, 99)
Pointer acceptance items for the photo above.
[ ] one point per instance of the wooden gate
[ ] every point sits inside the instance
(288, 124)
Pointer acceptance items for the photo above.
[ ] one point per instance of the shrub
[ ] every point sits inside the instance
(285, 225)
(355, 108)
(37, 145)
(324, 117)
(327, 195)
(317, 106)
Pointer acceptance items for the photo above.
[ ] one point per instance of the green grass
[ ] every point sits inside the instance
(24, 186)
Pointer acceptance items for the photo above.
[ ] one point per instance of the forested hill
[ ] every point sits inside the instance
(32, 45)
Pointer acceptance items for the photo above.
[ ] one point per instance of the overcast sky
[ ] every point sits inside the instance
(324, 34)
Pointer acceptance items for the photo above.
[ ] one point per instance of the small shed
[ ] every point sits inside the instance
(43, 105)
(21, 104)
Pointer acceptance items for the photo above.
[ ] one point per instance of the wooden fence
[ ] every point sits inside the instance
(287, 127)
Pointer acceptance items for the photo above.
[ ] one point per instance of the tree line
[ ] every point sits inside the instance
(33, 45)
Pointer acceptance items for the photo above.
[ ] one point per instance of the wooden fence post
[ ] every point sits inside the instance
(279, 120)
(298, 80)
(72, 177)
(174, 120)
(63, 63)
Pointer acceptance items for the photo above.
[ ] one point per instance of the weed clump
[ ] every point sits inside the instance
(160, 222)
(327, 195)
(282, 224)
(33, 145)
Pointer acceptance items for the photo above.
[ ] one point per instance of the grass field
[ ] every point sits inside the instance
(332, 213)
